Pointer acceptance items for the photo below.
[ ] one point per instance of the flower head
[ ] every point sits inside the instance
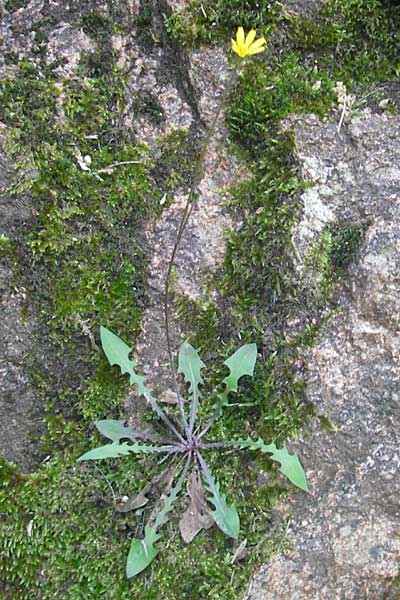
(246, 47)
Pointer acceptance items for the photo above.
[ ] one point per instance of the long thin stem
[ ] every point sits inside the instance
(198, 169)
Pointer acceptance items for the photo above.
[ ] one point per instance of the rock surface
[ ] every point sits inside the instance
(345, 532)
(203, 242)
(20, 415)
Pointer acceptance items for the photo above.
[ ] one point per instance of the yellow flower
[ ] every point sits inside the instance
(246, 47)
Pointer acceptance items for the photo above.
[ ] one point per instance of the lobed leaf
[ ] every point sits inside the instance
(290, 463)
(241, 363)
(224, 515)
(116, 449)
(190, 364)
(142, 552)
(115, 430)
(117, 353)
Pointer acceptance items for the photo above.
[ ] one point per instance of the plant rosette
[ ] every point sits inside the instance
(185, 444)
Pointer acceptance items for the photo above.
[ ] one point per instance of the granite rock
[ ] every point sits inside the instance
(344, 534)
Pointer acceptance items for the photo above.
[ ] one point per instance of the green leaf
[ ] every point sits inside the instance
(142, 552)
(116, 449)
(117, 353)
(115, 430)
(225, 515)
(290, 463)
(190, 364)
(240, 363)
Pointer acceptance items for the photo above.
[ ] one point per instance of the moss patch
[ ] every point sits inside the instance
(13, 5)
(76, 545)
(83, 245)
(205, 22)
(353, 40)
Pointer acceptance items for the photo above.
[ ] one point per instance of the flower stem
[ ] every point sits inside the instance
(187, 211)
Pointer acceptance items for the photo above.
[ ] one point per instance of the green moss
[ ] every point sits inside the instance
(353, 40)
(28, 104)
(202, 318)
(83, 245)
(6, 246)
(307, 34)
(259, 255)
(207, 21)
(61, 534)
(327, 261)
(265, 94)
(13, 5)
(346, 240)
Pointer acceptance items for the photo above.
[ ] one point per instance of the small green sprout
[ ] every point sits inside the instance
(185, 444)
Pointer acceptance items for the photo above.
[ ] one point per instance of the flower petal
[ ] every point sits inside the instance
(260, 42)
(240, 36)
(250, 37)
(255, 51)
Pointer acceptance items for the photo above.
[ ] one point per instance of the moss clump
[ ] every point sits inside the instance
(203, 318)
(7, 247)
(345, 243)
(266, 94)
(87, 259)
(28, 104)
(331, 255)
(354, 40)
(205, 22)
(259, 255)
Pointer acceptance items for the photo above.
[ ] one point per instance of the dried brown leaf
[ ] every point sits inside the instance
(197, 516)
(154, 488)
(168, 397)
(137, 501)
(162, 486)
(240, 552)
